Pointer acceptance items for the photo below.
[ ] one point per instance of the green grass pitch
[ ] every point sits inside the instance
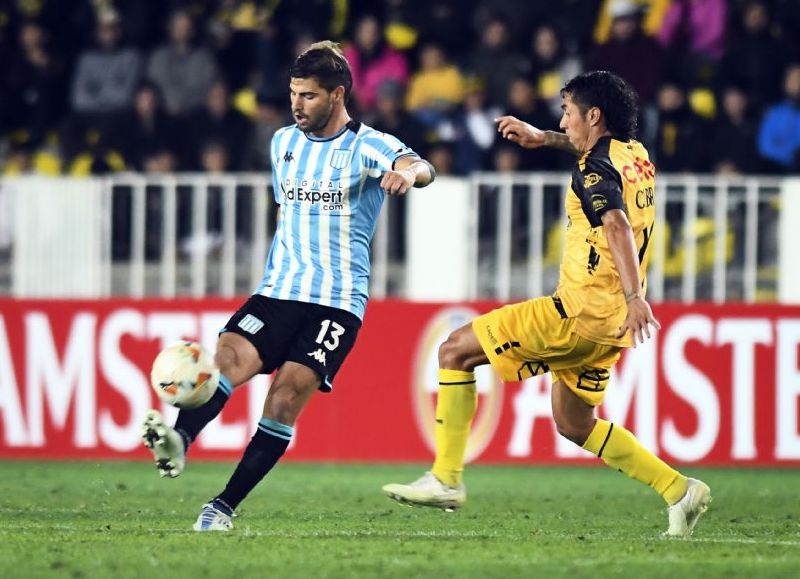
(117, 519)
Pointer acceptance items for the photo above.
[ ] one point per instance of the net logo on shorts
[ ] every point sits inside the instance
(250, 324)
(425, 383)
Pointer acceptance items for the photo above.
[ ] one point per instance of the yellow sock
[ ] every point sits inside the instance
(455, 408)
(619, 449)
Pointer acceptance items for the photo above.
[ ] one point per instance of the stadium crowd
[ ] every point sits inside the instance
(95, 86)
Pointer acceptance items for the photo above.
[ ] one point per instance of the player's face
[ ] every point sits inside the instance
(575, 123)
(312, 105)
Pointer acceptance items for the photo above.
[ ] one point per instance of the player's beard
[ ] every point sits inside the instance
(318, 123)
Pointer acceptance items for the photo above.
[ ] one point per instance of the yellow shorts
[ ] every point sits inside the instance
(533, 337)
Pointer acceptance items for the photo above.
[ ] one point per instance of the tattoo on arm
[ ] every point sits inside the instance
(559, 141)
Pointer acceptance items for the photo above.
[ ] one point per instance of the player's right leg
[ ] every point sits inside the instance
(238, 361)
(574, 415)
(442, 486)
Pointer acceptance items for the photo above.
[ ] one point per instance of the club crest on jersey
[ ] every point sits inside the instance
(340, 158)
(591, 179)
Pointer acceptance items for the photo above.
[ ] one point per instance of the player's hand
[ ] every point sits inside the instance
(638, 321)
(520, 132)
(398, 182)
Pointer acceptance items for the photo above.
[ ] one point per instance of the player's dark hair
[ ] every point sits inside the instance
(612, 95)
(325, 62)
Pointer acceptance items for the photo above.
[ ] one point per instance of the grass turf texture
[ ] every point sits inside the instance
(120, 520)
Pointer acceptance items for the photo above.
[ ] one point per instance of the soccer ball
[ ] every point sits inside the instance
(184, 375)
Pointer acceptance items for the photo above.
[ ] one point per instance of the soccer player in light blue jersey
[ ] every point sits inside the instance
(330, 175)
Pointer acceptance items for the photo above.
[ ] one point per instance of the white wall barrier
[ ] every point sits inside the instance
(490, 236)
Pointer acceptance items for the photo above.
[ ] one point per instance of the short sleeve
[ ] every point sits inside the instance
(381, 150)
(600, 190)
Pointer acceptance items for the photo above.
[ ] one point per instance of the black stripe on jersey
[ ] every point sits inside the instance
(456, 383)
(602, 448)
(560, 307)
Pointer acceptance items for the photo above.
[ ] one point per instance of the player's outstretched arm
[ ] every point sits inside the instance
(530, 137)
(623, 248)
(408, 172)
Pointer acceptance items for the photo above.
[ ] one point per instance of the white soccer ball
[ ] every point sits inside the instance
(184, 375)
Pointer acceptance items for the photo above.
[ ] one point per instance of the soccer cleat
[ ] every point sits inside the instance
(428, 491)
(684, 514)
(165, 444)
(214, 517)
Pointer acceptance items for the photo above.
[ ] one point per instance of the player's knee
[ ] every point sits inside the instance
(573, 430)
(283, 404)
(451, 355)
(226, 360)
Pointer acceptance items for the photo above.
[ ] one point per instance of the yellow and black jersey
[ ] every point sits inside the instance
(614, 174)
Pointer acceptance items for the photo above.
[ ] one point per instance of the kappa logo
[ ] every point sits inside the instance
(318, 355)
(250, 324)
(591, 180)
(288, 157)
(340, 158)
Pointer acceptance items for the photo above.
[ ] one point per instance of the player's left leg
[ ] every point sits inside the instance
(456, 404)
(321, 339)
(619, 449)
(292, 388)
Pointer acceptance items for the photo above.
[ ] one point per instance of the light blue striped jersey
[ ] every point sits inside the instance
(330, 197)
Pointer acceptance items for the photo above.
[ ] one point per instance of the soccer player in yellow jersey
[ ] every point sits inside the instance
(598, 309)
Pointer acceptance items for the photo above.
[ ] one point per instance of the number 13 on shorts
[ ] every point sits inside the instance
(336, 330)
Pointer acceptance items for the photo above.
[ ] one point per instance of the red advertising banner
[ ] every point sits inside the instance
(717, 385)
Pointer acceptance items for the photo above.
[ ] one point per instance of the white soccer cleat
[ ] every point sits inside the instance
(165, 444)
(428, 491)
(684, 514)
(213, 519)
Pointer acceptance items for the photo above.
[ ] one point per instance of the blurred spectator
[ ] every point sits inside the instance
(551, 66)
(138, 20)
(373, 62)
(733, 149)
(269, 117)
(235, 29)
(106, 76)
(680, 136)
(574, 18)
(779, 134)
(161, 161)
(494, 61)
(506, 159)
(754, 58)
(653, 12)
(214, 157)
(182, 71)
(36, 85)
(24, 159)
(102, 87)
(218, 122)
(145, 129)
(693, 31)
(471, 129)
(445, 23)
(629, 52)
(436, 88)
(442, 157)
(524, 103)
(392, 118)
